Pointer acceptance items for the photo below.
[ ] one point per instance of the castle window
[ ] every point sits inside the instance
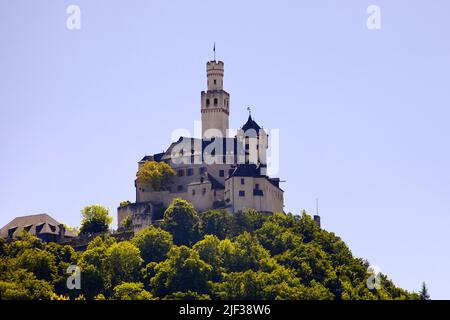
(202, 170)
(221, 173)
(215, 81)
(216, 101)
(242, 181)
(241, 193)
(207, 102)
(11, 232)
(204, 191)
(39, 228)
(190, 172)
(193, 192)
(257, 186)
(180, 188)
(180, 173)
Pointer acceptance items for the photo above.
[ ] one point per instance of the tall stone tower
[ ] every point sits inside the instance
(215, 102)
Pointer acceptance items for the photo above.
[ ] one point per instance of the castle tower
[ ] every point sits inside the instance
(215, 102)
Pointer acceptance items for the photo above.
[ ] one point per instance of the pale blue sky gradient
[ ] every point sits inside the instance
(363, 115)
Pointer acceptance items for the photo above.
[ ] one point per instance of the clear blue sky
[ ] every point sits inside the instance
(363, 115)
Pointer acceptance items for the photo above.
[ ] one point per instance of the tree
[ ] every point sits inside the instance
(95, 267)
(182, 221)
(182, 271)
(20, 284)
(187, 296)
(41, 263)
(423, 293)
(96, 219)
(249, 254)
(216, 222)
(124, 262)
(158, 175)
(126, 223)
(131, 291)
(124, 203)
(153, 243)
(248, 220)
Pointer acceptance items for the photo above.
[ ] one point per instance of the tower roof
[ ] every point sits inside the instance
(251, 124)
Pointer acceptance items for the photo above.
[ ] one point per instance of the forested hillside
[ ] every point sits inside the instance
(208, 255)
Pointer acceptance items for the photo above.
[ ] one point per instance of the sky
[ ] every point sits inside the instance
(363, 114)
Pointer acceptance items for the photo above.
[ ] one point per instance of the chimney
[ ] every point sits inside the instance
(62, 231)
(317, 219)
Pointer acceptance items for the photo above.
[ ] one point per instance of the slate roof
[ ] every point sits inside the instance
(215, 185)
(246, 170)
(251, 124)
(37, 224)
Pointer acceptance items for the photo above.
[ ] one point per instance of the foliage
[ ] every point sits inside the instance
(124, 203)
(127, 223)
(217, 222)
(131, 291)
(158, 175)
(182, 221)
(424, 295)
(153, 244)
(211, 255)
(96, 219)
(124, 262)
(182, 271)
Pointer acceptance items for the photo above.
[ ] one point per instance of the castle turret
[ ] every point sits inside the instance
(215, 102)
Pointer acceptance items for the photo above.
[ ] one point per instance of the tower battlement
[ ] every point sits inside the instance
(215, 102)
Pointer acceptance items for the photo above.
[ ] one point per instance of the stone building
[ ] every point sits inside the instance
(216, 171)
(41, 225)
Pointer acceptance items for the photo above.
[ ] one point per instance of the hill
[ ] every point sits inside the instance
(208, 255)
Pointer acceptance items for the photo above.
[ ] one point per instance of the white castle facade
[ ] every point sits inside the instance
(214, 172)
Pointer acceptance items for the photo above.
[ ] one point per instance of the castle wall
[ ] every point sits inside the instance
(271, 199)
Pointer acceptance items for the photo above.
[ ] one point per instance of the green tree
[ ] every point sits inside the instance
(131, 291)
(41, 263)
(96, 219)
(182, 271)
(216, 222)
(209, 251)
(124, 203)
(187, 296)
(182, 221)
(277, 239)
(95, 267)
(124, 262)
(153, 243)
(423, 293)
(158, 175)
(247, 221)
(20, 284)
(126, 223)
(249, 254)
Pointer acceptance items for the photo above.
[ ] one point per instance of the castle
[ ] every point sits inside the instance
(214, 172)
